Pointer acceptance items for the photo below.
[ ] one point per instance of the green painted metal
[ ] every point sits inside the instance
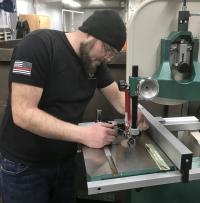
(187, 89)
(133, 85)
(171, 193)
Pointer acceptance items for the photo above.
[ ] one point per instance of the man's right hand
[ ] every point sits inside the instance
(99, 134)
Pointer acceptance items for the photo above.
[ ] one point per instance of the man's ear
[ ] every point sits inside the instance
(90, 37)
(87, 37)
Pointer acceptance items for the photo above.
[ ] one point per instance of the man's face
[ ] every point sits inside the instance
(90, 61)
(93, 52)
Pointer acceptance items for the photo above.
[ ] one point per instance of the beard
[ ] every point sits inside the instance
(90, 65)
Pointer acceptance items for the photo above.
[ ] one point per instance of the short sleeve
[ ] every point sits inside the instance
(104, 77)
(30, 62)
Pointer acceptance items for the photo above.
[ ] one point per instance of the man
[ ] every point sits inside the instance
(53, 77)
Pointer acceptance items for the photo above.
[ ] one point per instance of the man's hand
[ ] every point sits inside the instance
(142, 122)
(99, 134)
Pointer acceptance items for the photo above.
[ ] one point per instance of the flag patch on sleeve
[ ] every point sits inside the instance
(22, 68)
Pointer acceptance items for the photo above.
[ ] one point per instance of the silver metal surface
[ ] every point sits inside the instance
(140, 181)
(194, 14)
(148, 88)
(188, 140)
(95, 162)
(132, 182)
(174, 149)
(180, 53)
(181, 123)
(134, 131)
(183, 126)
(194, 174)
(128, 161)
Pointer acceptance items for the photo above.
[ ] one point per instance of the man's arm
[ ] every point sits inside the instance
(115, 97)
(27, 115)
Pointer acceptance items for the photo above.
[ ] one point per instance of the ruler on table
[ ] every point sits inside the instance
(110, 161)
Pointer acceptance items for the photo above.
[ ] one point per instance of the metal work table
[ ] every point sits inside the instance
(136, 168)
(129, 162)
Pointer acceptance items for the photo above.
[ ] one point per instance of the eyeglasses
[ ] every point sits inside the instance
(109, 50)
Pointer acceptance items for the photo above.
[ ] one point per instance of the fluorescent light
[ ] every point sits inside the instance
(71, 3)
(96, 3)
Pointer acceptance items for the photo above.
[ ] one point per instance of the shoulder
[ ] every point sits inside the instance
(44, 35)
(41, 38)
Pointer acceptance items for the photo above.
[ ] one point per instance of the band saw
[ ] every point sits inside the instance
(162, 66)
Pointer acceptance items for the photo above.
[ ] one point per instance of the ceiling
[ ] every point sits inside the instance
(94, 3)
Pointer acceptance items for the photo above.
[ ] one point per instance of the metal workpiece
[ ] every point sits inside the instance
(178, 153)
(156, 157)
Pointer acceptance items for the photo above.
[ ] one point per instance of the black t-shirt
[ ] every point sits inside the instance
(46, 59)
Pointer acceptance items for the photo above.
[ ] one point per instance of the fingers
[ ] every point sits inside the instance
(143, 125)
(142, 122)
(111, 132)
(99, 135)
(107, 125)
(109, 139)
(109, 128)
(140, 117)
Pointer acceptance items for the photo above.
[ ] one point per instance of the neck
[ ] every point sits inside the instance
(75, 39)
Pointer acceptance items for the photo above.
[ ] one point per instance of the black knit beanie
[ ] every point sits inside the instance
(107, 26)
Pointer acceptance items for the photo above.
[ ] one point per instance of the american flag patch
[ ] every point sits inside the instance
(22, 68)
